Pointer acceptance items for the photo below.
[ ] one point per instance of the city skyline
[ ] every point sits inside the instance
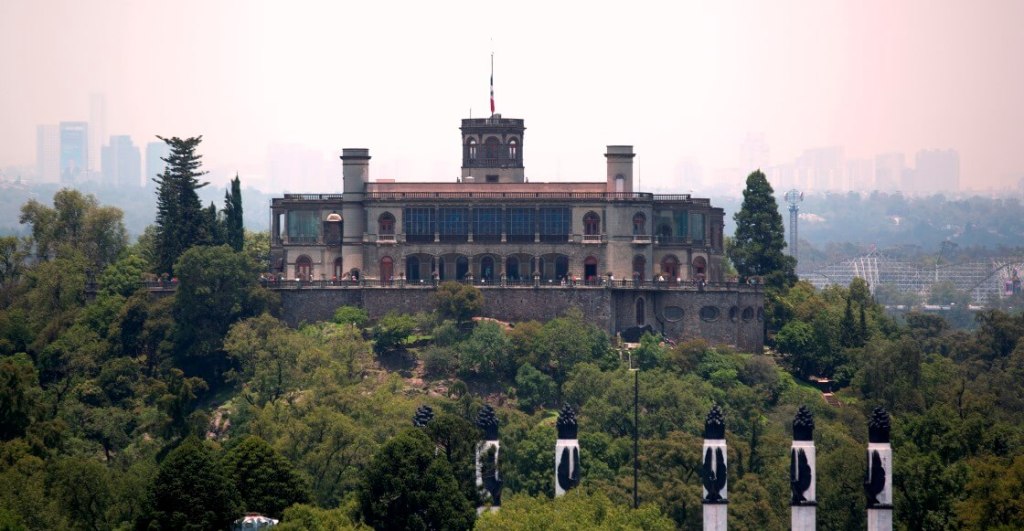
(685, 86)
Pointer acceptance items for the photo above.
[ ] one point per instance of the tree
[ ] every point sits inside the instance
(179, 217)
(267, 354)
(265, 481)
(391, 331)
(76, 223)
(756, 250)
(486, 351)
(576, 510)
(408, 485)
(352, 315)
(459, 301)
(217, 287)
(19, 395)
(234, 229)
(191, 491)
(533, 388)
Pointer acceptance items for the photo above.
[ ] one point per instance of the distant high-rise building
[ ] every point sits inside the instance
(155, 151)
(74, 151)
(48, 153)
(821, 169)
(889, 168)
(122, 163)
(754, 153)
(97, 128)
(937, 171)
(860, 174)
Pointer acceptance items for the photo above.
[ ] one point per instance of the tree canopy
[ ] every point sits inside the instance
(757, 247)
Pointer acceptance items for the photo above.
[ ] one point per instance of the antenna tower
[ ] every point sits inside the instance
(794, 197)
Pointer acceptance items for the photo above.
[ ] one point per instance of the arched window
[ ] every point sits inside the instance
(620, 184)
(641, 311)
(471, 148)
(512, 268)
(491, 146)
(513, 149)
(387, 269)
(591, 224)
(386, 226)
(639, 224)
(461, 267)
(639, 266)
(304, 268)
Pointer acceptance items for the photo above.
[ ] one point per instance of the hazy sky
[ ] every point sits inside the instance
(680, 81)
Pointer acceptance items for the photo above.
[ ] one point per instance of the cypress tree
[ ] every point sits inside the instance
(180, 221)
(757, 247)
(234, 231)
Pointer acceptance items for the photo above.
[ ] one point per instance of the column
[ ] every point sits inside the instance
(567, 452)
(715, 472)
(488, 477)
(878, 479)
(802, 472)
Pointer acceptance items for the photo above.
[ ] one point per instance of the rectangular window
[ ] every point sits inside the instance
(521, 224)
(453, 224)
(492, 178)
(303, 226)
(697, 228)
(419, 224)
(487, 224)
(555, 223)
(682, 224)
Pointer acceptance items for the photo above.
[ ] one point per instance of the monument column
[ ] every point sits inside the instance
(802, 472)
(567, 452)
(878, 480)
(488, 478)
(715, 472)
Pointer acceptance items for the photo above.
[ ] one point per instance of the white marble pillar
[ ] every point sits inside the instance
(488, 474)
(715, 472)
(878, 479)
(803, 473)
(567, 452)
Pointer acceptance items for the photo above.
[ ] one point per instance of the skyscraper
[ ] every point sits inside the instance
(122, 163)
(889, 168)
(74, 151)
(48, 153)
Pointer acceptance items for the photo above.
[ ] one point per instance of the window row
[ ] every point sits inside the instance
(453, 224)
(492, 149)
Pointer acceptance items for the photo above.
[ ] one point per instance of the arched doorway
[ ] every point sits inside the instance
(386, 226)
(487, 269)
(387, 269)
(304, 268)
(590, 273)
(639, 267)
(512, 268)
(461, 267)
(639, 224)
(339, 270)
(412, 269)
(700, 266)
(670, 268)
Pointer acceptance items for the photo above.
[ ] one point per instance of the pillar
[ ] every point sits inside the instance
(715, 472)
(878, 479)
(803, 472)
(488, 477)
(567, 452)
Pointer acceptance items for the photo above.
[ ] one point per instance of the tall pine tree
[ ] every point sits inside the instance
(234, 231)
(756, 249)
(180, 220)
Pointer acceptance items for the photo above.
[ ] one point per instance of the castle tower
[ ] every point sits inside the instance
(492, 150)
(620, 169)
(355, 174)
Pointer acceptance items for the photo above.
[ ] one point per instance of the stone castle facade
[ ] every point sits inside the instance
(496, 229)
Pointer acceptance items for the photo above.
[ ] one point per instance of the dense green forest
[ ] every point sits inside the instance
(123, 410)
